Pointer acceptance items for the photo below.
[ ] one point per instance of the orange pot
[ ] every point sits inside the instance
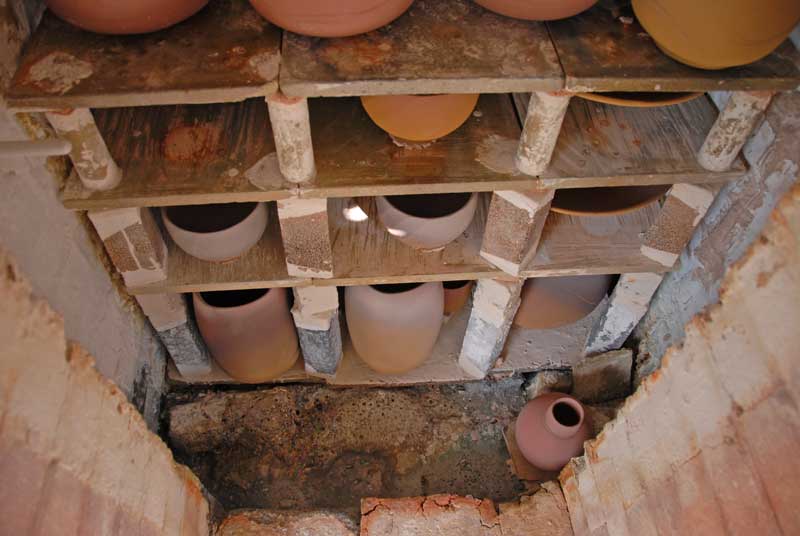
(640, 99)
(716, 34)
(325, 18)
(605, 201)
(419, 117)
(125, 16)
(456, 295)
(537, 9)
(552, 302)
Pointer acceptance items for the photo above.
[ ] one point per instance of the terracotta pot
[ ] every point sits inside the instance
(456, 295)
(419, 117)
(427, 221)
(324, 18)
(605, 201)
(216, 233)
(716, 34)
(640, 99)
(394, 327)
(551, 302)
(537, 9)
(551, 429)
(250, 333)
(124, 16)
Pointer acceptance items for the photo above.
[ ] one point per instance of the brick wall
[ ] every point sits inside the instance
(75, 456)
(707, 444)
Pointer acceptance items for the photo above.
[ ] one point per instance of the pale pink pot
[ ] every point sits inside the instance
(216, 233)
(551, 429)
(253, 340)
(552, 302)
(427, 222)
(394, 331)
(328, 18)
(537, 9)
(124, 16)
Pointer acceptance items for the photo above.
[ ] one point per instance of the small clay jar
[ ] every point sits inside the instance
(716, 34)
(551, 429)
(427, 222)
(419, 118)
(537, 9)
(456, 295)
(216, 233)
(326, 18)
(124, 16)
(250, 333)
(394, 328)
(552, 302)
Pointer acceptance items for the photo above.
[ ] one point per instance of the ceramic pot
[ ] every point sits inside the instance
(537, 9)
(124, 16)
(456, 295)
(552, 302)
(250, 333)
(716, 34)
(419, 118)
(216, 233)
(427, 222)
(640, 99)
(394, 327)
(551, 429)
(605, 201)
(323, 18)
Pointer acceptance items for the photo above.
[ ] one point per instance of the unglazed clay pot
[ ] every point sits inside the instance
(456, 295)
(537, 9)
(394, 327)
(429, 221)
(640, 99)
(551, 429)
(326, 18)
(216, 233)
(250, 333)
(419, 118)
(605, 201)
(124, 16)
(552, 302)
(715, 34)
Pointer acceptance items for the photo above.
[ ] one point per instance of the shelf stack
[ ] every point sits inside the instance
(189, 115)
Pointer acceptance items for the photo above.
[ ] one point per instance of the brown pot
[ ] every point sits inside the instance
(537, 9)
(326, 18)
(394, 328)
(250, 333)
(552, 302)
(456, 295)
(419, 117)
(605, 201)
(716, 34)
(551, 429)
(640, 99)
(125, 16)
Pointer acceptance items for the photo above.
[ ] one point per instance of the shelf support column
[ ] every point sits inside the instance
(514, 227)
(169, 315)
(291, 127)
(740, 116)
(90, 156)
(316, 316)
(134, 243)
(494, 304)
(626, 307)
(545, 114)
(306, 237)
(684, 207)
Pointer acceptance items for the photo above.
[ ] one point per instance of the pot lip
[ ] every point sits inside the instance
(457, 284)
(222, 232)
(371, 288)
(471, 202)
(559, 429)
(617, 212)
(198, 297)
(608, 97)
(423, 96)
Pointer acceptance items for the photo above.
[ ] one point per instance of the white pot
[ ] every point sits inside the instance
(217, 241)
(426, 232)
(394, 332)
